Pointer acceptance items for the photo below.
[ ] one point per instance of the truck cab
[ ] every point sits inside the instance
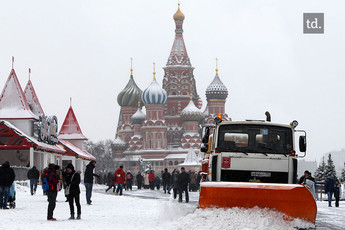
(252, 151)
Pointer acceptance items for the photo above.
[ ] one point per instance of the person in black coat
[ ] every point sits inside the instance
(166, 177)
(337, 190)
(33, 175)
(329, 189)
(139, 178)
(7, 177)
(183, 181)
(72, 182)
(88, 180)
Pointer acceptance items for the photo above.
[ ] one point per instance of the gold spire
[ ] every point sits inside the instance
(131, 67)
(216, 66)
(178, 15)
(154, 71)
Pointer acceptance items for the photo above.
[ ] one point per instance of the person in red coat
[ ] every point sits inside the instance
(152, 180)
(120, 178)
(52, 177)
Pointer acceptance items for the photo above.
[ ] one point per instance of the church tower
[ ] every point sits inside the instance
(154, 127)
(216, 94)
(128, 100)
(178, 77)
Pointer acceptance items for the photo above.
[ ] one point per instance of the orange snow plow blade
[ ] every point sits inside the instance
(291, 199)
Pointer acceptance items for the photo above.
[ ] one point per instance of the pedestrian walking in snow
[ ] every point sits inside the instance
(129, 180)
(146, 181)
(88, 180)
(174, 182)
(73, 191)
(139, 179)
(166, 178)
(337, 191)
(193, 181)
(53, 179)
(329, 189)
(152, 180)
(183, 181)
(120, 180)
(7, 177)
(157, 182)
(33, 175)
(111, 182)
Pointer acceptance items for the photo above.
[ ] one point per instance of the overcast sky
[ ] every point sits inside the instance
(82, 49)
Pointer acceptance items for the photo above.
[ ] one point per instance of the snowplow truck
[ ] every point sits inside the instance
(254, 164)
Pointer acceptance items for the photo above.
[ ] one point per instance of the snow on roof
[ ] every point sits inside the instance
(176, 156)
(191, 158)
(32, 99)
(79, 152)
(13, 104)
(37, 145)
(70, 129)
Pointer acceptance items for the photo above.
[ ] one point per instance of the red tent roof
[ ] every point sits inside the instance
(72, 150)
(70, 129)
(32, 99)
(13, 104)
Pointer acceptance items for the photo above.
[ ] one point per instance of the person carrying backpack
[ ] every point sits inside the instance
(52, 179)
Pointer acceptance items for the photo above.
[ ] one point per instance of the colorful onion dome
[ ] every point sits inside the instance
(216, 90)
(178, 15)
(154, 94)
(191, 112)
(130, 94)
(119, 144)
(138, 117)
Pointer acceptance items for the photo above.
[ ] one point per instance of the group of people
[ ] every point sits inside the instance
(332, 187)
(70, 180)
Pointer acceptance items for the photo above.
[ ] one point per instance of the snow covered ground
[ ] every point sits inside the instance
(146, 209)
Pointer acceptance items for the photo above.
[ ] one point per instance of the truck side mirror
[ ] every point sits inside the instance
(302, 144)
(204, 147)
(205, 134)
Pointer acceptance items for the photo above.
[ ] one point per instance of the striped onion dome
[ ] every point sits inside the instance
(138, 117)
(216, 90)
(119, 144)
(191, 112)
(154, 94)
(130, 94)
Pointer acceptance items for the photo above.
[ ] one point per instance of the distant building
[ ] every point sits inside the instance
(169, 133)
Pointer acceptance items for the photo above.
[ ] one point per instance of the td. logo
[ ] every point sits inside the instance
(313, 23)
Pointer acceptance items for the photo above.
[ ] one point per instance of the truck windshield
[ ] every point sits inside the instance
(250, 138)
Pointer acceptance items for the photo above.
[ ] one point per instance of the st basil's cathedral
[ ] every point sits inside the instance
(168, 134)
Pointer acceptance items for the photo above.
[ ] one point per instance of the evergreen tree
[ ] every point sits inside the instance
(343, 173)
(330, 168)
(320, 171)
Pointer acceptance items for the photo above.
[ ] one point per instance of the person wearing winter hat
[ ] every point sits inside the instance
(73, 191)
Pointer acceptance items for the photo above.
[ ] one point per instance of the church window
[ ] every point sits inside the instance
(170, 163)
(173, 93)
(161, 163)
(176, 163)
(156, 163)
